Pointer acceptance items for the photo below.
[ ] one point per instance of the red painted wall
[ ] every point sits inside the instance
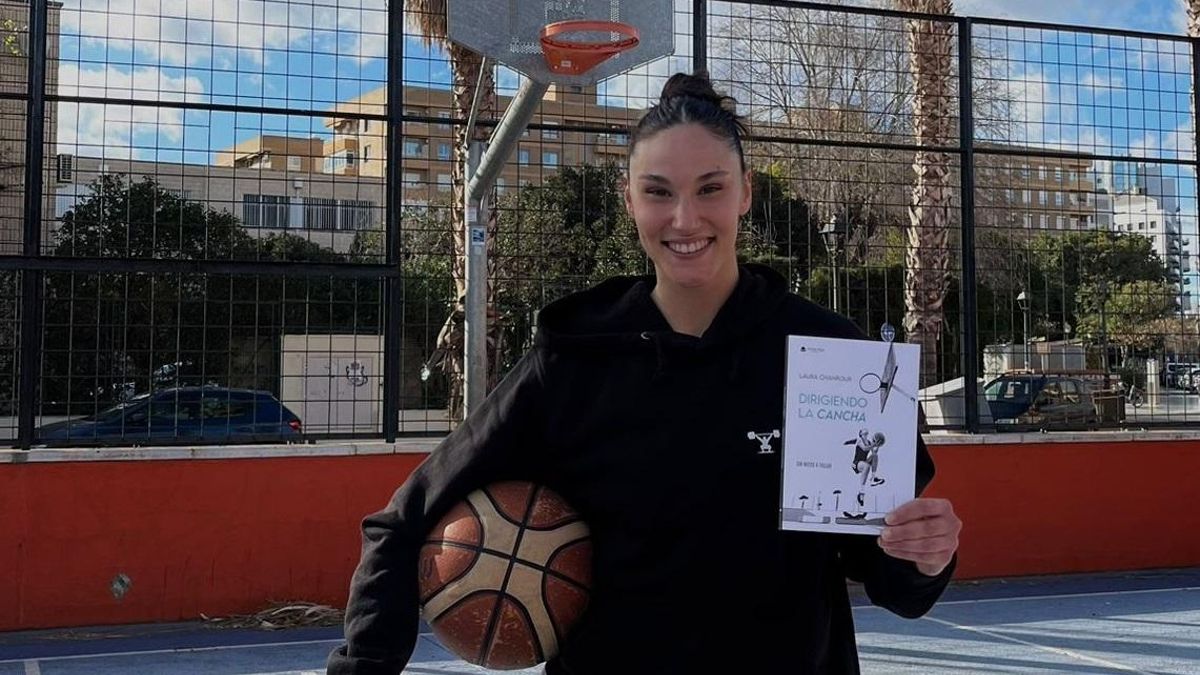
(229, 536)
(1072, 507)
(203, 536)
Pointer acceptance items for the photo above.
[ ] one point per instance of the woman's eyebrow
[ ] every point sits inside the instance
(655, 178)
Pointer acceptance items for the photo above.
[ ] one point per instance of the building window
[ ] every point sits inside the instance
(320, 213)
(339, 161)
(412, 179)
(1141, 224)
(66, 164)
(1042, 221)
(1042, 172)
(294, 163)
(1042, 197)
(1058, 222)
(550, 159)
(1154, 224)
(444, 152)
(355, 214)
(265, 211)
(1025, 196)
(549, 133)
(414, 148)
(1058, 199)
(501, 186)
(522, 156)
(364, 126)
(444, 115)
(366, 154)
(1058, 174)
(443, 182)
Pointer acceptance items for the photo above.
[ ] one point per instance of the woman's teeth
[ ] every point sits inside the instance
(687, 248)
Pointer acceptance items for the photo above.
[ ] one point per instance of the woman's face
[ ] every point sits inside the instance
(686, 192)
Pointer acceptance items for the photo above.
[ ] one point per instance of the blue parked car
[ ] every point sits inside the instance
(1021, 402)
(182, 414)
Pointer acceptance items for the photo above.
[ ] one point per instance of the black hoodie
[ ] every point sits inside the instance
(645, 432)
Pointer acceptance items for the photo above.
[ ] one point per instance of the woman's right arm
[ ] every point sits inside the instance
(500, 440)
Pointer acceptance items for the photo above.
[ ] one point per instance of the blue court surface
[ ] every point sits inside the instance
(1147, 622)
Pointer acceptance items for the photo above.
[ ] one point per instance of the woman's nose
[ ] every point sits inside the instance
(685, 214)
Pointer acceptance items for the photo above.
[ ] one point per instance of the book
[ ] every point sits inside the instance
(849, 433)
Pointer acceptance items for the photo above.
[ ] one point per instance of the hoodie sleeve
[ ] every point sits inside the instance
(896, 585)
(497, 441)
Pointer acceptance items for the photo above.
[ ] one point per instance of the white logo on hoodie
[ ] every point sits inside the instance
(764, 440)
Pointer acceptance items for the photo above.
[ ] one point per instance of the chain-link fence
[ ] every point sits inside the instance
(220, 224)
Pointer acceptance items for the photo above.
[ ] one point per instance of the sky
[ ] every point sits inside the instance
(309, 54)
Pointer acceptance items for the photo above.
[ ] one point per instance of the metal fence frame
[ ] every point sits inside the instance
(33, 265)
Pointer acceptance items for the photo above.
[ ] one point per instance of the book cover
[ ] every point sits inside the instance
(850, 433)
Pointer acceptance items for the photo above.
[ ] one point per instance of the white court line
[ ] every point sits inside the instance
(1060, 596)
(185, 650)
(32, 668)
(1053, 650)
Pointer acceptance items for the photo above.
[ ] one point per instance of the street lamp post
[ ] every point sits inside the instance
(831, 233)
(1104, 327)
(1023, 302)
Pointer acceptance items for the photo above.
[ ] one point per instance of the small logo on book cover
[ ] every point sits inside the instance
(764, 440)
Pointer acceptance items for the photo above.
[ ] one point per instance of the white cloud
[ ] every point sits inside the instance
(1179, 143)
(1166, 15)
(1100, 83)
(117, 131)
(176, 32)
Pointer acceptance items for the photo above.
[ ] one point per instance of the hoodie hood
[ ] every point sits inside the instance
(619, 314)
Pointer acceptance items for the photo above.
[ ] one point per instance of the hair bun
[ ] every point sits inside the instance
(696, 85)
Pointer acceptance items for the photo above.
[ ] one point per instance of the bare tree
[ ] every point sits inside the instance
(816, 79)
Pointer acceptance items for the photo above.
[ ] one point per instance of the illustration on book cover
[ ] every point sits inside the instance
(850, 433)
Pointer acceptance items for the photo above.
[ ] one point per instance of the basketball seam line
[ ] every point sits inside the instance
(465, 571)
(500, 554)
(500, 510)
(494, 620)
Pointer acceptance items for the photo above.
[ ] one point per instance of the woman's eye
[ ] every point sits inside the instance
(709, 189)
(657, 192)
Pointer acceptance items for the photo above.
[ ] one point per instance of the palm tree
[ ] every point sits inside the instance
(428, 17)
(927, 255)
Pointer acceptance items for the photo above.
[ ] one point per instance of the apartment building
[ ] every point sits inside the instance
(1027, 195)
(326, 210)
(358, 146)
(329, 188)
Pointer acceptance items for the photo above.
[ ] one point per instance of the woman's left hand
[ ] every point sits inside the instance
(924, 531)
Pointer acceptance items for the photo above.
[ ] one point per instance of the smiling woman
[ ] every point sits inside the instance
(653, 405)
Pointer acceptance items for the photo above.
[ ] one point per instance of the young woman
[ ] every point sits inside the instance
(638, 404)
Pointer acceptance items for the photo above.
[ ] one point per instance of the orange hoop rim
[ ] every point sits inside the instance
(551, 31)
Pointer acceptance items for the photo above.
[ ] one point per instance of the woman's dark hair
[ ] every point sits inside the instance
(691, 99)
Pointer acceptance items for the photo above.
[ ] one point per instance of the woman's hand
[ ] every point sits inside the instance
(924, 531)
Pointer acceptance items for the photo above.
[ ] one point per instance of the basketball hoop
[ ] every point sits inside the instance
(570, 57)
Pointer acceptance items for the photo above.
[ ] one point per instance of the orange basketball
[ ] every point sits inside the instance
(505, 575)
